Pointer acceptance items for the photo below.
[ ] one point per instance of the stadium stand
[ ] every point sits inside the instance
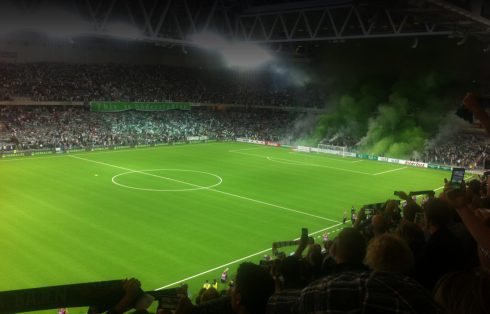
(108, 82)
(49, 127)
(409, 257)
(41, 82)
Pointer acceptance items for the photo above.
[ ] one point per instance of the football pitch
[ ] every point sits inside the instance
(175, 213)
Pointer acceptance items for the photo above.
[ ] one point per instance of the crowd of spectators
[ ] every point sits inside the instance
(418, 257)
(69, 127)
(118, 82)
(467, 150)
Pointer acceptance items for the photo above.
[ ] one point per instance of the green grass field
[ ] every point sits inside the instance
(175, 213)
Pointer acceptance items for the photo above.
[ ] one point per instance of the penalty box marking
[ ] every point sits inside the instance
(302, 163)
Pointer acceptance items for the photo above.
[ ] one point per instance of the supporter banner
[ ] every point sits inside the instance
(439, 167)
(101, 295)
(109, 106)
(76, 295)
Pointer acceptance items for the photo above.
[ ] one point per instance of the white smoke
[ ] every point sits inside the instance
(452, 125)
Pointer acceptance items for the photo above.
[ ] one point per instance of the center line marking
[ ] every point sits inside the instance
(208, 189)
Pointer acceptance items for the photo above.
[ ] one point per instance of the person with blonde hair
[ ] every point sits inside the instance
(389, 253)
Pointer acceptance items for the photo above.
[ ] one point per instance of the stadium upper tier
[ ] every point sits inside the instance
(110, 82)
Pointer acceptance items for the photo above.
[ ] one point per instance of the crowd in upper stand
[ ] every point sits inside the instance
(111, 82)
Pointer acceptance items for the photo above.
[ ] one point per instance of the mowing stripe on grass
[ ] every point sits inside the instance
(206, 188)
(236, 261)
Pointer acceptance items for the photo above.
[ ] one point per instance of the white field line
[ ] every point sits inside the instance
(206, 188)
(360, 160)
(387, 171)
(255, 254)
(324, 156)
(235, 261)
(301, 163)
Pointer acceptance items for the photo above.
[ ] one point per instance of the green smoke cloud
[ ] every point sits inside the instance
(394, 121)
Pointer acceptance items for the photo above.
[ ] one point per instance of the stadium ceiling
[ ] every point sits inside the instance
(274, 21)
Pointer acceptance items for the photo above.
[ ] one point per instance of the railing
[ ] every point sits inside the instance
(102, 296)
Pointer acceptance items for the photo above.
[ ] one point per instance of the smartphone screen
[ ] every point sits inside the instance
(457, 177)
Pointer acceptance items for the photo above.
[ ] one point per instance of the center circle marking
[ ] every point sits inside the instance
(146, 172)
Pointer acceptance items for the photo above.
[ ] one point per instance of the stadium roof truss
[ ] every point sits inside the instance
(172, 21)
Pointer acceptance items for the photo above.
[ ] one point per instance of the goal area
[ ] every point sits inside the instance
(332, 149)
